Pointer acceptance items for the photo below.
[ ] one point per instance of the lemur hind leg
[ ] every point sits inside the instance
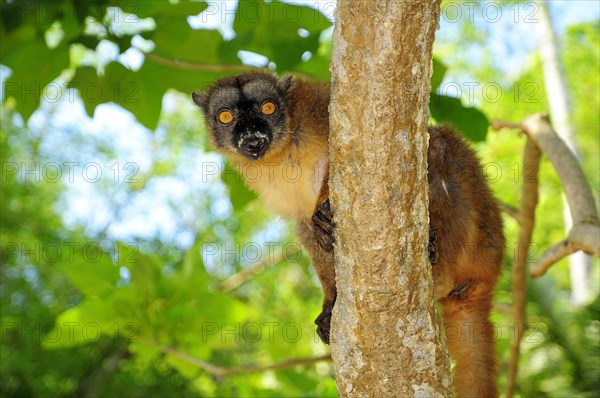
(471, 340)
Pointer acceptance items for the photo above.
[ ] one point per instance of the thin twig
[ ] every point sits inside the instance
(529, 200)
(503, 308)
(194, 67)
(511, 211)
(216, 68)
(501, 124)
(219, 371)
(236, 280)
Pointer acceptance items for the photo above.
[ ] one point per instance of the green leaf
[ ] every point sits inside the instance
(90, 270)
(239, 193)
(470, 121)
(93, 8)
(176, 77)
(33, 66)
(83, 324)
(135, 92)
(38, 13)
(219, 308)
(145, 8)
(193, 267)
(272, 29)
(217, 322)
(318, 64)
(177, 41)
(184, 367)
(439, 70)
(145, 270)
(144, 352)
(66, 332)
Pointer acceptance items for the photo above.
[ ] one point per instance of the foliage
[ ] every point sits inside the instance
(97, 317)
(181, 58)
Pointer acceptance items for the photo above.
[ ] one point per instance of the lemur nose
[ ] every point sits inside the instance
(253, 144)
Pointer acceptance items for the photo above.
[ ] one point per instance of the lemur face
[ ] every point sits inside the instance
(246, 114)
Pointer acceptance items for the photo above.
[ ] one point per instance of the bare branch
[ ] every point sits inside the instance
(191, 66)
(501, 124)
(219, 371)
(579, 195)
(503, 308)
(236, 280)
(580, 238)
(585, 233)
(553, 255)
(215, 68)
(511, 211)
(526, 217)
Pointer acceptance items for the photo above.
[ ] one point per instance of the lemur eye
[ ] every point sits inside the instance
(225, 117)
(268, 108)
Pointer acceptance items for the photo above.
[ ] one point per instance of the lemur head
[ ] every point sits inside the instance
(246, 114)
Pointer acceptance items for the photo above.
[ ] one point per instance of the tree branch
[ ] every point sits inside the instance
(571, 176)
(503, 308)
(529, 200)
(584, 237)
(215, 68)
(219, 371)
(585, 233)
(194, 67)
(238, 279)
(501, 124)
(511, 211)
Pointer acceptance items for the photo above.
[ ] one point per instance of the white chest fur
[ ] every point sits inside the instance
(291, 187)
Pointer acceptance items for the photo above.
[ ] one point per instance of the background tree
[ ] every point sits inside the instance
(559, 103)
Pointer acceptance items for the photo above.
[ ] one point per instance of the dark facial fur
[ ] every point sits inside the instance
(251, 133)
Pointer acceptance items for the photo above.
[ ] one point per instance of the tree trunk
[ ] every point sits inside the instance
(387, 339)
(558, 98)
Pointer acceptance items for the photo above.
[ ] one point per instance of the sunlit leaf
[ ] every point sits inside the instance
(83, 324)
(239, 193)
(439, 70)
(29, 77)
(88, 268)
(273, 29)
(470, 121)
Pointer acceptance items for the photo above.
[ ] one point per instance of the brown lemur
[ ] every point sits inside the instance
(259, 120)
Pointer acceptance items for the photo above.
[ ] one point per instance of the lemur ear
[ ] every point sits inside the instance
(199, 98)
(284, 83)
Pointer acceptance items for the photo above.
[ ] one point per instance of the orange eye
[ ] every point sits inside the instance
(268, 108)
(225, 117)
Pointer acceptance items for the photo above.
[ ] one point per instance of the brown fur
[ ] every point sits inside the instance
(463, 214)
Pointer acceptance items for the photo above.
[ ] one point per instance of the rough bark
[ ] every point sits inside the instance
(559, 100)
(387, 339)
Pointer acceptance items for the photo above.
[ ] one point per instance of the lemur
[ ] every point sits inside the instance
(267, 122)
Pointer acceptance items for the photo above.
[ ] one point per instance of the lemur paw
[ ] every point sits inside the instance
(323, 322)
(432, 254)
(324, 225)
